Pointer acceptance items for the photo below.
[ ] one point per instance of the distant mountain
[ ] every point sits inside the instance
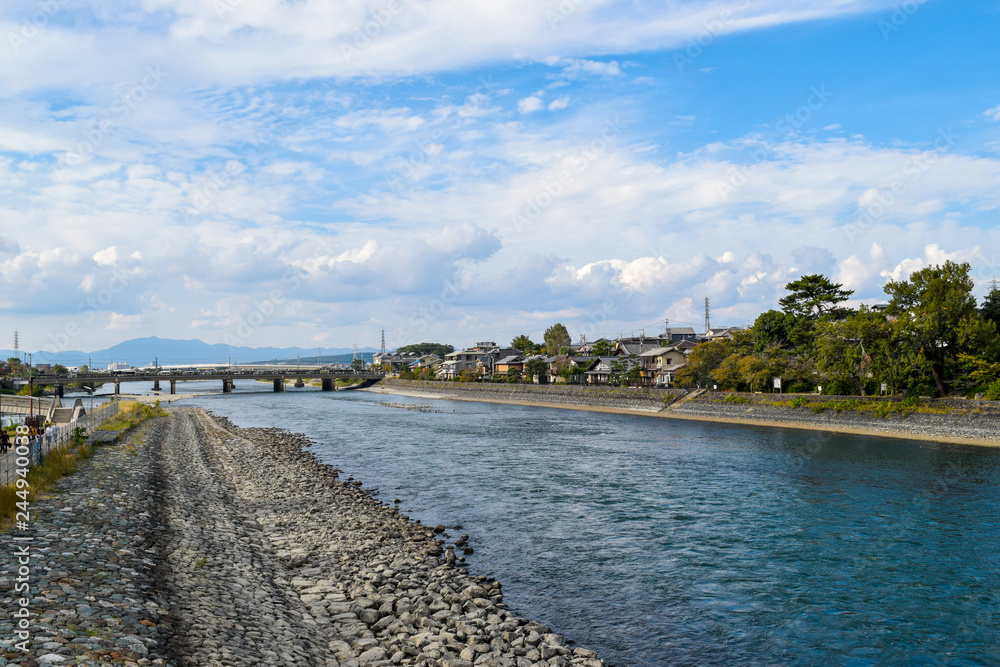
(143, 351)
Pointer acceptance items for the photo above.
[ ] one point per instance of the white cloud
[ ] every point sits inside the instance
(993, 114)
(558, 104)
(119, 322)
(530, 104)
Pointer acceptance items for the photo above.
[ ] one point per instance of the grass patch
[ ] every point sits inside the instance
(133, 413)
(42, 478)
(736, 398)
(66, 460)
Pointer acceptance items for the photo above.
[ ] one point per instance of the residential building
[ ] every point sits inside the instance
(659, 365)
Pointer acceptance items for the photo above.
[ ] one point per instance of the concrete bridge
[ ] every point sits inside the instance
(277, 376)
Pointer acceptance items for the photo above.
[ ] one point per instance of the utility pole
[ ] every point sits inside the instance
(31, 395)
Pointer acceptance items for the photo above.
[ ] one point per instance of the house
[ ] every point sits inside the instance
(603, 367)
(427, 361)
(721, 333)
(677, 334)
(507, 363)
(627, 347)
(576, 365)
(394, 360)
(599, 371)
(456, 363)
(660, 365)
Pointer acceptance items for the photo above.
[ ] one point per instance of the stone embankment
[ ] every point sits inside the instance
(625, 399)
(213, 545)
(950, 420)
(945, 420)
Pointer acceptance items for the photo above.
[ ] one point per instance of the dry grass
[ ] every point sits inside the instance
(42, 478)
(66, 460)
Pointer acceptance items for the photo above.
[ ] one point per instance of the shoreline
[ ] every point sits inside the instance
(292, 566)
(884, 428)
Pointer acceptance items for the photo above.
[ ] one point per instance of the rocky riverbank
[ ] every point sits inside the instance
(955, 421)
(611, 399)
(946, 420)
(213, 545)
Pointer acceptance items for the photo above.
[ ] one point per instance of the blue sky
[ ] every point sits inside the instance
(262, 172)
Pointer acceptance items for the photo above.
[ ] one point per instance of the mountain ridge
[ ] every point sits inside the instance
(166, 351)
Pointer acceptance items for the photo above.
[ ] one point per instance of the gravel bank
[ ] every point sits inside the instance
(239, 548)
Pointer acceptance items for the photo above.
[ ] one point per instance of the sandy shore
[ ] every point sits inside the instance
(848, 424)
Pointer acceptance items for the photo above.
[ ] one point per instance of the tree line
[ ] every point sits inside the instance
(931, 339)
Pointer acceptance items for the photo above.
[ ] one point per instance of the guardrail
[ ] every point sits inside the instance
(56, 437)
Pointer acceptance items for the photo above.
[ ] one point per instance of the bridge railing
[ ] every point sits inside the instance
(54, 438)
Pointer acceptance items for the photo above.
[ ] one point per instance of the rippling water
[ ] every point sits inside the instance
(669, 542)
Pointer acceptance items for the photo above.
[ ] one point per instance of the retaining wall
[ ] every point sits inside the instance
(647, 399)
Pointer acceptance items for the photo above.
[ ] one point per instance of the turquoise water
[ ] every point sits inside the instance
(663, 542)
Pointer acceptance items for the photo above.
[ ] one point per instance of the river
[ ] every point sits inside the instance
(671, 542)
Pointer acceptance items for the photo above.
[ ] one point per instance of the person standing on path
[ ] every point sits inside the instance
(4, 441)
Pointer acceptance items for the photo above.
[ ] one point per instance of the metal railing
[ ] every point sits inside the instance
(54, 438)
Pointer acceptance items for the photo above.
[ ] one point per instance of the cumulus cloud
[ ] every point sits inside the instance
(530, 104)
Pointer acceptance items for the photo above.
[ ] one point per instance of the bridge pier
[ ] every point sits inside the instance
(279, 385)
(327, 384)
(173, 387)
(299, 383)
(118, 387)
(60, 390)
(156, 385)
(227, 386)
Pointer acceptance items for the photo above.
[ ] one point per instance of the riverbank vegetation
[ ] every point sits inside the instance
(41, 478)
(930, 339)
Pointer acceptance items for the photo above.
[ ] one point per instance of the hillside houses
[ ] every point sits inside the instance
(637, 361)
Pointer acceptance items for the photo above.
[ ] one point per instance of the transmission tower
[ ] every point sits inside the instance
(355, 350)
(994, 284)
(383, 341)
(708, 321)
(17, 342)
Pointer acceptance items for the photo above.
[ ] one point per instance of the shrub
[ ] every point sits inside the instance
(736, 398)
(992, 392)
(798, 402)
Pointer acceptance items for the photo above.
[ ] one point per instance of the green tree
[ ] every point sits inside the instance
(702, 361)
(556, 336)
(773, 328)
(534, 368)
(853, 351)
(937, 317)
(814, 296)
(358, 365)
(602, 348)
(991, 307)
(625, 371)
(524, 344)
(513, 375)
(59, 369)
